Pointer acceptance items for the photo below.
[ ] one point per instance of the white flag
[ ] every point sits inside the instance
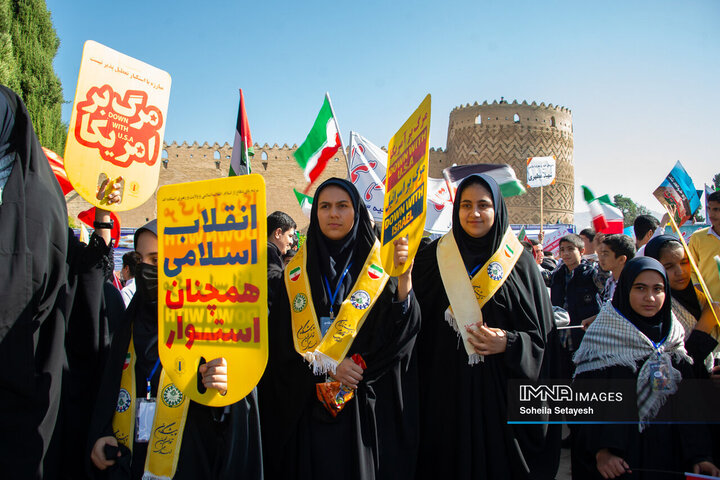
(439, 207)
(368, 163)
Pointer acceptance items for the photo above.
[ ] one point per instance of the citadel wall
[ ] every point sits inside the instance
(500, 132)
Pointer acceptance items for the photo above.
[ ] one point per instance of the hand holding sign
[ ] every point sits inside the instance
(406, 187)
(117, 127)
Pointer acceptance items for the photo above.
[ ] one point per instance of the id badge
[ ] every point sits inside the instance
(325, 323)
(659, 376)
(144, 419)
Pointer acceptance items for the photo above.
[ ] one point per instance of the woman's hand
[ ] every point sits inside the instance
(400, 257)
(102, 215)
(349, 373)
(214, 375)
(706, 468)
(609, 465)
(486, 340)
(98, 452)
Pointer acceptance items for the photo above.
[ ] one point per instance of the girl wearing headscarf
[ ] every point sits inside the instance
(339, 308)
(212, 443)
(689, 305)
(635, 337)
(478, 283)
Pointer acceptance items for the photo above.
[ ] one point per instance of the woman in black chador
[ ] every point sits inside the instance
(636, 338)
(341, 318)
(478, 282)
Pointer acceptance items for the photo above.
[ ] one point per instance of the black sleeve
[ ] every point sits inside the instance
(699, 345)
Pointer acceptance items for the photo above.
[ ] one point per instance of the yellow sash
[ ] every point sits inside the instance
(461, 291)
(326, 352)
(168, 425)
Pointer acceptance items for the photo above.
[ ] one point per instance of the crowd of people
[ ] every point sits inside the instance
(369, 376)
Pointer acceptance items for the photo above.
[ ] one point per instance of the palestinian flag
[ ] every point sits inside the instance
(242, 146)
(321, 144)
(295, 273)
(503, 174)
(305, 202)
(375, 271)
(127, 360)
(606, 217)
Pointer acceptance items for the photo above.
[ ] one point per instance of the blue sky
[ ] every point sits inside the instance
(641, 78)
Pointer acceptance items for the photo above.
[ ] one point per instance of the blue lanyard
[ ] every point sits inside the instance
(150, 376)
(474, 271)
(337, 289)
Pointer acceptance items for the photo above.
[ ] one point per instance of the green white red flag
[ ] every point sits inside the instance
(321, 144)
(243, 145)
(305, 202)
(606, 217)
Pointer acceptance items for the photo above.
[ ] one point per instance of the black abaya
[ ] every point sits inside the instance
(214, 445)
(463, 409)
(375, 435)
(33, 251)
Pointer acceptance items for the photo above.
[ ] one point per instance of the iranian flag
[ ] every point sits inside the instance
(321, 144)
(606, 217)
(242, 146)
(375, 271)
(503, 174)
(305, 202)
(522, 235)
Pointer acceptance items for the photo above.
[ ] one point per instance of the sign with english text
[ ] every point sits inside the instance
(116, 127)
(212, 275)
(406, 176)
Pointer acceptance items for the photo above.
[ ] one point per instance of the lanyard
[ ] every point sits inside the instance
(472, 273)
(150, 376)
(337, 289)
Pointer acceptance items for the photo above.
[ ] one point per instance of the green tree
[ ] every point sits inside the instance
(28, 44)
(630, 209)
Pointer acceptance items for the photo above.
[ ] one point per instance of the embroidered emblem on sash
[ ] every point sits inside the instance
(495, 271)
(360, 300)
(172, 396)
(299, 303)
(124, 401)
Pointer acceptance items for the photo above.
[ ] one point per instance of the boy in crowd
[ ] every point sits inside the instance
(613, 253)
(130, 262)
(705, 244)
(647, 227)
(575, 286)
(588, 237)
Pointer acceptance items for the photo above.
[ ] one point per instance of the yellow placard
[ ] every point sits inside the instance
(212, 268)
(406, 186)
(117, 126)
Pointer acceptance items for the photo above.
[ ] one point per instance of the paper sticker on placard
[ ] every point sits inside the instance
(540, 171)
(406, 186)
(117, 126)
(213, 283)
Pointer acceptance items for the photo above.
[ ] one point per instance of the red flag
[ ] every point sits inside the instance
(58, 167)
(88, 217)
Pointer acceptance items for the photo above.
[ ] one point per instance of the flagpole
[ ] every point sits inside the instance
(541, 209)
(342, 145)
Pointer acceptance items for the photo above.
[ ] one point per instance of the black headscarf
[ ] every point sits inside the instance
(656, 327)
(329, 258)
(687, 296)
(476, 251)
